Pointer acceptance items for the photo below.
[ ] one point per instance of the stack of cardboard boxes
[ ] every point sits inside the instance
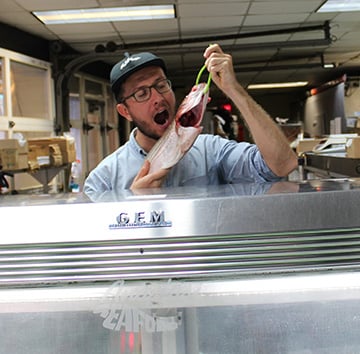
(34, 153)
(13, 154)
(55, 151)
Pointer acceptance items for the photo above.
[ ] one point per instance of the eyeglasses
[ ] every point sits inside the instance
(144, 93)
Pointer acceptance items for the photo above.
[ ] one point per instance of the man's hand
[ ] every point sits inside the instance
(152, 180)
(220, 65)
(269, 138)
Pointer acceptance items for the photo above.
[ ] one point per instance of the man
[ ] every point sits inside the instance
(145, 97)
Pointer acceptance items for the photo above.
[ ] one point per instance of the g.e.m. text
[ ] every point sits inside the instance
(141, 219)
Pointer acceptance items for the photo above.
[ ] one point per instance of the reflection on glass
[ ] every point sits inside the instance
(29, 91)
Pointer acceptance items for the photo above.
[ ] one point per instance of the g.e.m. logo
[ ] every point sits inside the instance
(141, 219)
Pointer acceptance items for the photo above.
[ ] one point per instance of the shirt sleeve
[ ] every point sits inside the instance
(98, 181)
(241, 162)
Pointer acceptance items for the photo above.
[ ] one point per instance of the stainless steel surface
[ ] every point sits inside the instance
(182, 233)
(235, 269)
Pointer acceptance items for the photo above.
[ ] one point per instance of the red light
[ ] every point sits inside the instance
(131, 341)
(122, 342)
(227, 107)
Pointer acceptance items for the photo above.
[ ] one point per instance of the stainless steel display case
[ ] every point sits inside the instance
(246, 268)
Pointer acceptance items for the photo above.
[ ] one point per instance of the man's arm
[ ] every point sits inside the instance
(269, 138)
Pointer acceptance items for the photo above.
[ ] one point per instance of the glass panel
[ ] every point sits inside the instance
(95, 112)
(74, 101)
(77, 133)
(2, 89)
(93, 88)
(93, 117)
(29, 91)
(58, 332)
(74, 84)
(186, 317)
(94, 148)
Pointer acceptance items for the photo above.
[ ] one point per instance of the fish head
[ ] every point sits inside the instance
(191, 110)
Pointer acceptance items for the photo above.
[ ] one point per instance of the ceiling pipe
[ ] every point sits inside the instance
(111, 46)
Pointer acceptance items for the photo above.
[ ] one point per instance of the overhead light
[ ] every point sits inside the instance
(340, 6)
(329, 66)
(277, 85)
(130, 13)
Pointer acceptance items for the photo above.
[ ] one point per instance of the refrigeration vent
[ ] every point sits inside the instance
(179, 257)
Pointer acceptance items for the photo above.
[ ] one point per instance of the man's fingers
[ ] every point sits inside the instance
(146, 180)
(144, 170)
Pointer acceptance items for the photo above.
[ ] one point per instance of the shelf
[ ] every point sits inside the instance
(332, 165)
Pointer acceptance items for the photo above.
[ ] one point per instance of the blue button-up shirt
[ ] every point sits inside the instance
(211, 160)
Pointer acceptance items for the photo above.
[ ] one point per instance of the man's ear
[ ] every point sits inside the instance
(123, 111)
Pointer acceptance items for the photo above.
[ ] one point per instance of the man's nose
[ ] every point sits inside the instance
(155, 95)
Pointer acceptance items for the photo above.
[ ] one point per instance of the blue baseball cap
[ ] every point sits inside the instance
(130, 64)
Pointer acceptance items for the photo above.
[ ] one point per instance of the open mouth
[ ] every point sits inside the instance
(191, 118)
(188, 119)
(161, 117)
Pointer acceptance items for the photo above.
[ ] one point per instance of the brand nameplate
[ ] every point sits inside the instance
(141, 219)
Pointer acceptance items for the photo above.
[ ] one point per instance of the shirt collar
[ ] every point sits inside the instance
(134, 144)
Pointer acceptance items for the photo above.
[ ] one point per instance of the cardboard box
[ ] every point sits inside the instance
(353, 147)
(306, 145)
(55, 155)
(13, 154)
(42, 146)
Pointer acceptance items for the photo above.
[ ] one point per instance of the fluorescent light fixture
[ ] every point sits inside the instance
(340, 6)
(329, 66)
(277, 85)
(130, 13)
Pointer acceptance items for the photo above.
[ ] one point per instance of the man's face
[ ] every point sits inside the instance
(153, 116)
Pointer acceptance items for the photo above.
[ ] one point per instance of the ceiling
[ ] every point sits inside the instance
(270, 40)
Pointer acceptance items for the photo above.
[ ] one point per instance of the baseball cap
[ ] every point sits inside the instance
(130, 64)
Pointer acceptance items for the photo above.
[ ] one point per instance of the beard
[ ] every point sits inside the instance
(146, 130)
(151, 129)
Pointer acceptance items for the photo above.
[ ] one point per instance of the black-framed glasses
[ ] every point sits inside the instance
(142, 94)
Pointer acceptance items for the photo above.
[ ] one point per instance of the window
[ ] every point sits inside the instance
(30, 94)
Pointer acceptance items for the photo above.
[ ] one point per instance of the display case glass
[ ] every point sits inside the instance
(247, 268)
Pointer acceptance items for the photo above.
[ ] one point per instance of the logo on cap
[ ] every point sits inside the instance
(128, 60)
